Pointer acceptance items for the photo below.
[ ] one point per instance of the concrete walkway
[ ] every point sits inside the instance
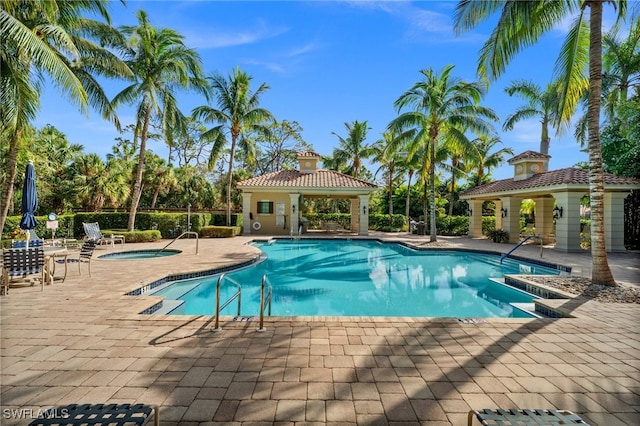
(83, 341)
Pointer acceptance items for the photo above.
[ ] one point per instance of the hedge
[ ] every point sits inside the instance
(220, 231)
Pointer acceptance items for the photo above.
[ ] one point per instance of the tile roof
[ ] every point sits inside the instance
(309, 154)
(295, 179)
(568, 176)
(529, 154)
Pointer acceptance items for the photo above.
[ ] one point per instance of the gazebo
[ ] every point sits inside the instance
(557, 196)
(271, 202)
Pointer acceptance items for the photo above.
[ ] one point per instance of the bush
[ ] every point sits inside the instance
(380, 222)
(452, 225)
(488, 225)
(499, 236)
(220, 231)
(135, 236)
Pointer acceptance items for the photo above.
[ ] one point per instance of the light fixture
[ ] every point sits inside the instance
(293, 208)
(557, 212)
(364, 209)
(469, 212)
(503, 212)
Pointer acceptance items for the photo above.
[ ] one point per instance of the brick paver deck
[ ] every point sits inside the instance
(82, 341)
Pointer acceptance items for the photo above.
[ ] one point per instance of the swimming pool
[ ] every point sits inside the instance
(139, 254)
(363, 278)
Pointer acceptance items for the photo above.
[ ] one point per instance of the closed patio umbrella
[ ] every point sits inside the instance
(29, 199)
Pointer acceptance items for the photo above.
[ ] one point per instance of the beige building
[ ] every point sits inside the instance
(271, 203)
(557, 196)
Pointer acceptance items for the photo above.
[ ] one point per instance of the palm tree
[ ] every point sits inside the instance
(385, 152)
(352, 149)
(483, 161)
(442, 105)
(238, 115)
(162, 64)
(621, 62)
(52, 38)
(98, 183)
(541, 104)
(520, 25)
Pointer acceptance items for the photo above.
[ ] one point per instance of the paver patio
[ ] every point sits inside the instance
(82, 341)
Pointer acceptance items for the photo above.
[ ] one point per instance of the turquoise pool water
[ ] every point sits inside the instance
(363, 277)
(139, 254)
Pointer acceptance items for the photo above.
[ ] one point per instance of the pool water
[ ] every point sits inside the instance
(139, 254)
(364, 278)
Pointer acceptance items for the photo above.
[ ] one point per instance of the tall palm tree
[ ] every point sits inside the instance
(385, 152)
(98, 183)
(483, 161)
(352, 149)
(162, 64)
(238, 115)
(541, 104)
(52, 38)
(520, 25)
(442, 105)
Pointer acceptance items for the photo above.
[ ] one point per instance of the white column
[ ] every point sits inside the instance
(498, 216)
(568, 226)
(294, 212)
(364, 215)
(475, 220)
(355, 217)
(246, 213)
(511, 217)
(614, 220)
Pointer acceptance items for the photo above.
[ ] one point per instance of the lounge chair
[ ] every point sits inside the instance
(20, 262)
(525, 417)
(92, 230)
(86, 252)
(23, 243)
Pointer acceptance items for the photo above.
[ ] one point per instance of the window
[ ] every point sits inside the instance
(265, 207)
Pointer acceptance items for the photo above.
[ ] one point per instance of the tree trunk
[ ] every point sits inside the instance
(7, 191)
(391, 196)
(454, 163)
(407, 207)
(137, 187)
(432, 192)
(601, 273)
(230, 178)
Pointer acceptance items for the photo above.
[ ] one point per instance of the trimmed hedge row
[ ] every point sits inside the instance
(220, 231)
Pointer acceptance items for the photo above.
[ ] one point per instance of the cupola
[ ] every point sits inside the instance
(529, 163)
(308, 161)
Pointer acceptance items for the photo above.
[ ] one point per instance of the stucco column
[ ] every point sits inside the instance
(498, 204)
(475, 220)
(294, 211)
(511, 219)
(544, 218)
(246, 212)
(614, 220)
(355, 217)
(568, 226)
(363, 213)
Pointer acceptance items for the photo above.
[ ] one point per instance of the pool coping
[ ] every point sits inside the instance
(158, 304)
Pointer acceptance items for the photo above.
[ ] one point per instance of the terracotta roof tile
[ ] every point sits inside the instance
(295, 179)
(309, 154)
(568, 176)
(529, 154)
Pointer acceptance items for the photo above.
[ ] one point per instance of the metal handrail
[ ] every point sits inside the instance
(264, 301)
(219, 307)
(177, 238)
(521, 243)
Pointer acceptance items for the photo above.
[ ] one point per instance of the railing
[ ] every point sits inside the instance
(177, 238)
(264, 301)
(519, 244)
(236, 295)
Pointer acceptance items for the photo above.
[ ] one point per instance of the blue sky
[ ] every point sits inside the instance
(327, 63)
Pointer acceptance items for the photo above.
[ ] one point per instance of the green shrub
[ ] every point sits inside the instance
(452, 225)
(220, 231)
(499, 236)
(380, 222)
(488, 225)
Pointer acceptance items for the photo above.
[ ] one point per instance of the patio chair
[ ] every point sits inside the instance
(92, 230)
(537, 417)
(98, 414)
(20, 262)
(84, 256)
(23, 243)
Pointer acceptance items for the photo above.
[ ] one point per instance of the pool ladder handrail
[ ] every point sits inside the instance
(236, 295)
(521, 243)
(265, 301)
(177, 238)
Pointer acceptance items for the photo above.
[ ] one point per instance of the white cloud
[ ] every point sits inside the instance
(215, 38)
(526, 132)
